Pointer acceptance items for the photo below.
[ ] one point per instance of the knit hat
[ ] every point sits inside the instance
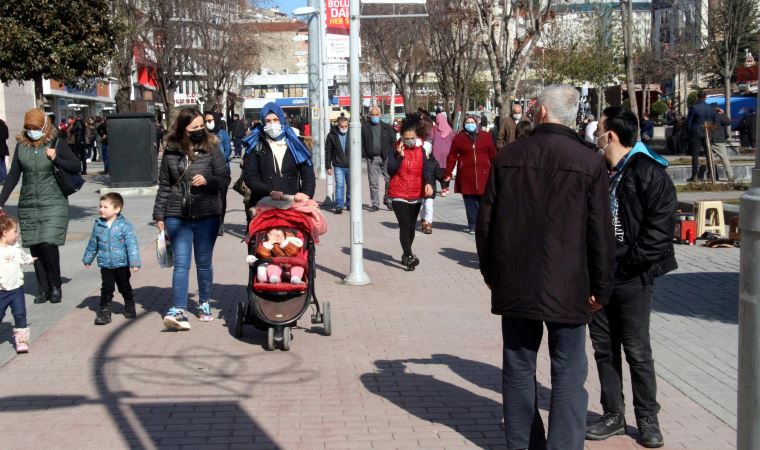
(34, 118)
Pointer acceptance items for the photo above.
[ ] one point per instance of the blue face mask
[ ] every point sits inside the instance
(470, 127)
(374, 119)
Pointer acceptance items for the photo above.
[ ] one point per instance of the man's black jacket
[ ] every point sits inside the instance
(335, 156)
(387, 141)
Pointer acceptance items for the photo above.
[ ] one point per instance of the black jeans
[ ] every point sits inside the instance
(625, 322)
(406, 214)
(81, 151)
(47, 267)
(569, 400)
(115, 277)
(696, 145)
(471, 208)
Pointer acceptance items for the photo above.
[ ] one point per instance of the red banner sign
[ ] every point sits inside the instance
(337, 16)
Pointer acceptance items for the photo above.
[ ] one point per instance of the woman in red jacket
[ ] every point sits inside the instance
(411, 181)
(471, 153)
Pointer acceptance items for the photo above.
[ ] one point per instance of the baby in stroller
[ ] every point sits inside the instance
(278, 242)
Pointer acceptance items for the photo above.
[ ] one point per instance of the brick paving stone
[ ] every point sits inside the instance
(414, 358)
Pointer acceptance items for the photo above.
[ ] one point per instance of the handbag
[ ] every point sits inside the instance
(241, 188)
(69, 182)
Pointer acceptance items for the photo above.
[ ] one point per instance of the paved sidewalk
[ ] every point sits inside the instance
(413, 361)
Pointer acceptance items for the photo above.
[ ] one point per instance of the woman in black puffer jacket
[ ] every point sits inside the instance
(193, 176)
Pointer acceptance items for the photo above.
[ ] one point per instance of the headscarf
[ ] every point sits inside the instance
(442, 123)
(217, 121)
(299, 151)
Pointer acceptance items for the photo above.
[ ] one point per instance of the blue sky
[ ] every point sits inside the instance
(286, 5)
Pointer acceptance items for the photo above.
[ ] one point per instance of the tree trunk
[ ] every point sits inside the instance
(599, 102)
(123, 103)
(38, 92)
(628, 50)
(727, 93)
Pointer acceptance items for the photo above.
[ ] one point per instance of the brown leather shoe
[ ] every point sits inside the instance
(423, 225)
(427, 228)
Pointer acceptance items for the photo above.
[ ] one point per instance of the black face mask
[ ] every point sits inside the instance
(197, 136)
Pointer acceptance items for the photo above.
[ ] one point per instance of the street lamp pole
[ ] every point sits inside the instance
(325, 100)
(357, 276)
(315, 105)
(748, 393)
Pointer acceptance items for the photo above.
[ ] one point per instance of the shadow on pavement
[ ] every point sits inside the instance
(704, 295)
(79, 212)
(464, 258)
(477, 418)
(380, 257)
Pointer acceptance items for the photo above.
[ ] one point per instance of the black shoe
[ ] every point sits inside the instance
(42, 297)
(56, 295)
(611, 424)
(338, 210)
(221, 230)
(649, 429)
(129, 311)
(374, 209)
(103, 317)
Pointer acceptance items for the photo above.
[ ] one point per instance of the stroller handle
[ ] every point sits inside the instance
(288, 197)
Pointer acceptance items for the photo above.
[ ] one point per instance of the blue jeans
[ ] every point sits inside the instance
(104, 157)
(471, 208)
(188, 236)
(569, 399)
(342, 187)
(14, 299)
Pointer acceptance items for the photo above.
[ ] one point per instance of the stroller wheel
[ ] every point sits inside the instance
(239, 315)
(270, 338)
(327, 319)
(286, 337)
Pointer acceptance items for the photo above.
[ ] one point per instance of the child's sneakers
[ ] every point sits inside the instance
(204, 312)
(129, 310)
(176, 319)
(104, 316)
(21, 338)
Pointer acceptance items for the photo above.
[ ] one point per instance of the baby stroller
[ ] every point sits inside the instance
(277, 306)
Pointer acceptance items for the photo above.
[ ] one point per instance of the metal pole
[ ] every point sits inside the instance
(330, 197)
(393, 102)
(318, 144)
(323, 87)
(357, 277)
(748, 394)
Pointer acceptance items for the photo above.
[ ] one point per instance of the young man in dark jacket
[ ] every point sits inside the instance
(546, 249)
(642, 201)
(337, 147)
(699, 114)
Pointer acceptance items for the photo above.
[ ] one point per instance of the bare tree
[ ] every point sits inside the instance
(396, 46)
(126, 18)
(731, 25)
(626, 17)
(509, 31)
(454, 48)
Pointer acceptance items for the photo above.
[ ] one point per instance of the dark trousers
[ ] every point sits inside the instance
(569, 399)
(47, 267)
(471, 208)
(15, 299)
(406, 214)
(81, 151)
(624, 321)
(696, 145)
(238, 143)
(115, 277)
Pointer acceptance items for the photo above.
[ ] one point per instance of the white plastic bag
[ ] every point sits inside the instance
(164, 251)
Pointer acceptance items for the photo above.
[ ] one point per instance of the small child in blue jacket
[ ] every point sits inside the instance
(114, 241)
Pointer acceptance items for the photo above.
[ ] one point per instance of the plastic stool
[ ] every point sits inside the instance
(710, 217)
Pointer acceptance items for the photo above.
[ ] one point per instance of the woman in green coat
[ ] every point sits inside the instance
(43, 210)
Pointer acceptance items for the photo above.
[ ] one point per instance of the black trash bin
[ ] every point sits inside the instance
(132, 150)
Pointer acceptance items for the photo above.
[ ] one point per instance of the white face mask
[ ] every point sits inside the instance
(343, 130)
(35, 135)
(517, 116)
(273, 130)
(210, 125)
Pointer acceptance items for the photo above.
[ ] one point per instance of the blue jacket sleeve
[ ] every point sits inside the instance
(226, 144)
(92, 247)
(133, 250)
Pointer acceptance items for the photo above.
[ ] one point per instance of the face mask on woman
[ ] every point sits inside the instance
(197, 136)
(210, 126)
(470, 127)
(410, 142)
(273, 130)
(34, 135)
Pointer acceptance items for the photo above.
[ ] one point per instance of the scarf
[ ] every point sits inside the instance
(442, 124)
(299, 151)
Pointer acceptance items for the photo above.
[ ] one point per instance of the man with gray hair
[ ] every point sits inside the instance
(547, 252)
(378, 139)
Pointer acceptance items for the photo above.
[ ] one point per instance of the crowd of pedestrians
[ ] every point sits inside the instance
(571, 229)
